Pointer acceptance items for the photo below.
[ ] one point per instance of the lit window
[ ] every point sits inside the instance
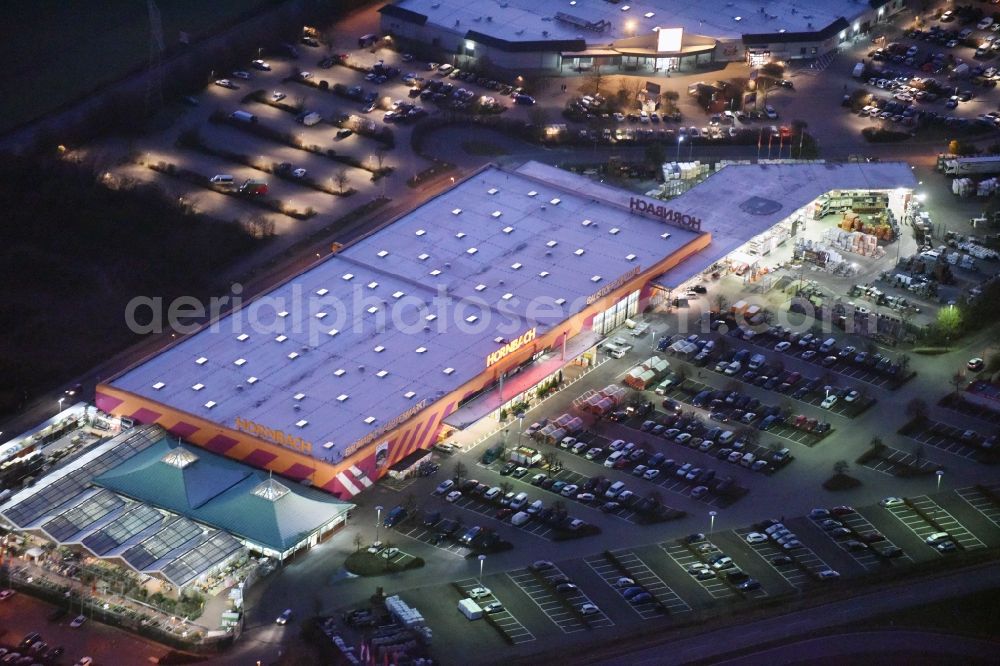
(381, 373)
(251, 380)
(409, 394)
(293, 355)
(551, 243)
(630, 257)
(497, 213)
(342, 397)
(586, 223)
(560, 301)
(242, 337)
(372, 285)
(423, 257)
(382, 253)
(665, 236)
(507, 296)
(397, 294)
(516, 265)
(431, 317)
(596, 278)
(613, 230)
(436, 272)
(338, 372)
(210, 404)
(532, 193)
(460, 234)
(348, 276)
(579, 252)
(370, 420)
(198, 387)
(240, 362)
(457, 211)
(472, 250)
(281, 338)
(448, 371)
(322, 292)
(373, 309)
(471, 319)
(507, 230)
(202, 361)
(421, 350)
(283, 314)
(492, 190)
(543, 274)
(480, 287)
(158, 385)
(555, 202)
(379, 349)
(302, 424)
(420, 232)
(332, 332)
(320, 315)
(298, 396)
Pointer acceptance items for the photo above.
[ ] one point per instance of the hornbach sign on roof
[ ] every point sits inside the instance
(510, 347)
(277, 436)
(611, 286)
(660, 212)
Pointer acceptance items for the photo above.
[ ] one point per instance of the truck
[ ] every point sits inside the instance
(243, 116)
(525, 455)
(859, 70)
(253, 188)
(952, 165)
(310, 118)
(470, 609)
(960, 72)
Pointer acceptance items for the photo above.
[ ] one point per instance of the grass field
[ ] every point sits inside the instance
(56, 51)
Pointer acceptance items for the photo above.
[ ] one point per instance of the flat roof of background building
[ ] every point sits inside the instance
(529, 20)
(496, 255)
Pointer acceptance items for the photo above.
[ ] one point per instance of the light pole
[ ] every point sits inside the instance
(680, 140)
(482, 558)
(939, 474)
(520, 427)
(60, 403)
(711, 521)
(378, 520)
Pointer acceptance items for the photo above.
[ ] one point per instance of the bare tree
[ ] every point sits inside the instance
(459, 472)
(720, 301)
(840, 467)
(341, 178)
(552, 462)
(595, 79)
(919, 452)
(916, 408)
(359, 540)
(958, 380)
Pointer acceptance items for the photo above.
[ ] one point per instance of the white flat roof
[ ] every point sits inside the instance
(758, 196)
(526, 20)
(346, 346)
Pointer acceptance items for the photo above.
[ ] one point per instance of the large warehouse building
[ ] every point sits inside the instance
(451, 313)
(652, 35)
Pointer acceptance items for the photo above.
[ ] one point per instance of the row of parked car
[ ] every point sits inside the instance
(32, 649)
(715, 564)
(828, 353)
(515, 507)
(628, 456)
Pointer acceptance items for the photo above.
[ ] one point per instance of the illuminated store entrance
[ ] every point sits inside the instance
(615, 316)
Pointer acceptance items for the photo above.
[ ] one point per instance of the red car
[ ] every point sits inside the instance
(871, 537)
(841, 510)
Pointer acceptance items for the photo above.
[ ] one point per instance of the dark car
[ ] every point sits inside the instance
(431, 518)
(507, 469)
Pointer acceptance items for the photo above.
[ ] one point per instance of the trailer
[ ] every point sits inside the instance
(968, 166)
(525, 455)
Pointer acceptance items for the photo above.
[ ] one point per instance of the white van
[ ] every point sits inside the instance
(222, 179)
(613, 458)
(747, 459)
(443, 70)
(519, 518)
(519, 501)
(616, 488)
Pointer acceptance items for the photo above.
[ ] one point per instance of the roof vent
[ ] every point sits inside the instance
(270, 490)
(179, 457)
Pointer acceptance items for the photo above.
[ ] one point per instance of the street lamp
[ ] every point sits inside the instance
(378, 520)
(939, 474)
(680, 140)
(520, 427)
(60, 403)
(482, 558)
(711, 521)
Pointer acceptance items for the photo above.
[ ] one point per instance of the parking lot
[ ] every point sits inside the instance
(983, 503)
(515, 631)
(945, 437)
(800, 572)
(865, 556)
(892, 460)
(415, 530)
(555, 605)
(923, 529)
(626, 563)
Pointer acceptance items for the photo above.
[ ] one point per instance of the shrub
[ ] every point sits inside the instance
(877, 135)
